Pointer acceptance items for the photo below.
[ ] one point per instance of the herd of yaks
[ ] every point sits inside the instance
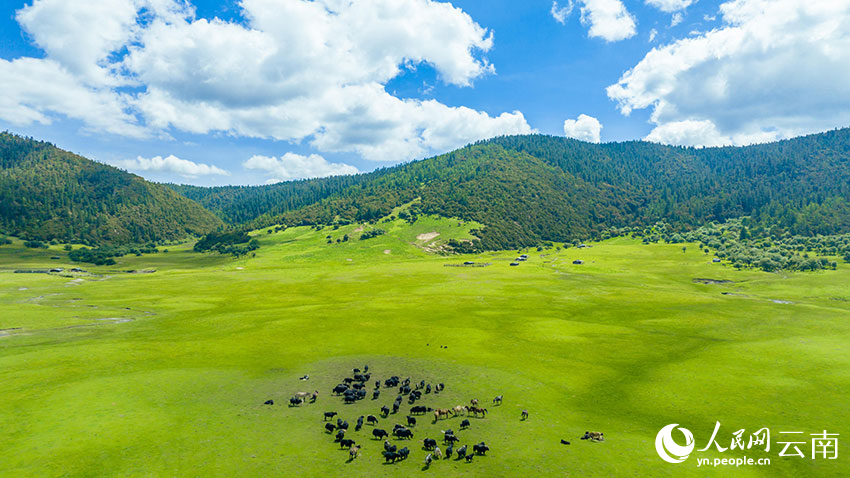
(354, 388)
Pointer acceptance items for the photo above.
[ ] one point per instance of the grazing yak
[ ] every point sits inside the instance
(268, 402)
(404, 433)
(372, 420)
(469, 458)
(354, 452)
(449, 451)
(341, 424)
(390, 456)
(480, 448)
(474, 402)
(403, 453)
(524, 415)
(593, 436)
(341, 388)
(438, 454)
(294, 402)
(340, 435)
(497, 400)
(461, 452)
(411, 421)
(396, 406)
(465, 423)
(379, 433)
(429, 443)
(389, 446)
(428, 460)
(376, 394)
(419, 409)
(329, 415)
(330, 427)
(359, 424)
(428, 388)
(385, 410)
(347, 443)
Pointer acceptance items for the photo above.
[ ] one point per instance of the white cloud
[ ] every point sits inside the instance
(676, 19)
(80, 35)
(295, 166)
(294, 70)
(585, 128)
(670, 6)
(608, 19)
(652, 34)
(688, 132)
(33, 90)
(172, 164)
(775, 69)
(561, 13)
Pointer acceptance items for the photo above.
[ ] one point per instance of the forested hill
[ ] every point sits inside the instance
(532, 188)
(47, 193)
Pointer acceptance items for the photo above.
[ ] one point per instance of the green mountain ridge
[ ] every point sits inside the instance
(528, 189)
(47, 193)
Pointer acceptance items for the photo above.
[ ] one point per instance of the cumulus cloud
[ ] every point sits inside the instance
(561, 13)
(586, 128)
(33, 89)
(605, 19)
(676, 19)
(295, 166)
(687, 133)
(670, 6)
(293, 70)
(172, 164)
(775, 69)
(608, 19)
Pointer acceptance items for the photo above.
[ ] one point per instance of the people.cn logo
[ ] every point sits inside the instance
(668, 449)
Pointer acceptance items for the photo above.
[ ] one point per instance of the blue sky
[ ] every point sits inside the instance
(256, 91)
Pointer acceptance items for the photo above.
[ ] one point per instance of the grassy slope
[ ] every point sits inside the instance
(624, 344)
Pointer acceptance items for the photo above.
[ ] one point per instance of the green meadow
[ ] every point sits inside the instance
(112, 373)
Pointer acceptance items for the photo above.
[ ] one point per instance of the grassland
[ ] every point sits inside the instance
(624, 344)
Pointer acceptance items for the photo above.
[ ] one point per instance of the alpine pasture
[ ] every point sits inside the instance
(110, 373)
